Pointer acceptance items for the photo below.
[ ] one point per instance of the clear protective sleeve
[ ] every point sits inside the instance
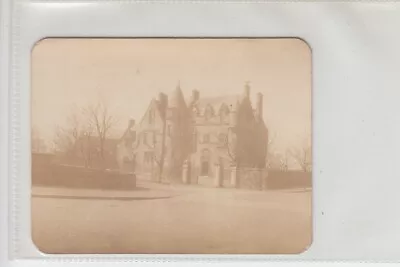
(356, 122)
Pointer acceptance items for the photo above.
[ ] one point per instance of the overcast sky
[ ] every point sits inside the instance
(127, 73)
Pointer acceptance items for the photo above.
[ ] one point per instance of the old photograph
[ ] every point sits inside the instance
(171, 146)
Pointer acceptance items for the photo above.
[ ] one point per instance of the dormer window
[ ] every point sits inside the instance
(195, 111)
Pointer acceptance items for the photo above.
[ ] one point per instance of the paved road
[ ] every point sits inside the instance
(171, 219)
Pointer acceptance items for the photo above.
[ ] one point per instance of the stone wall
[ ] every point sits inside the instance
(288, 179)
(261, 179)
(251, 178)
(47, 173)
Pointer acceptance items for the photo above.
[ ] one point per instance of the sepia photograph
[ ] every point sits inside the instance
(171, 146)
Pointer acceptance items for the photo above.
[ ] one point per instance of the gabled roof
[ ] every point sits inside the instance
(128, 134)
(158, 112)
(231, 101)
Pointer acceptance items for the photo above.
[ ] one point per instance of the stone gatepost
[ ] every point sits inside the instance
(259, 179)
(186, 172)
(264, 180)
(219, 174)
(234, 177)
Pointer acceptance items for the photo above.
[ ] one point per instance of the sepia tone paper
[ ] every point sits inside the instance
(199, 146)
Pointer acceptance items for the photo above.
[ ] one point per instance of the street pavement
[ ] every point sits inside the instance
(177, 219)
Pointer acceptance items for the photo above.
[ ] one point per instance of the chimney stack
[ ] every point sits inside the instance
(233, 115)
(131, 123)
(247, 90)
(259, 106)
(163, 100)
(195, 96)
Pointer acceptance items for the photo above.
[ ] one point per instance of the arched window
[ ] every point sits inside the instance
(205, 154)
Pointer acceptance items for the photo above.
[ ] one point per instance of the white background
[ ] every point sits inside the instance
(356, 111)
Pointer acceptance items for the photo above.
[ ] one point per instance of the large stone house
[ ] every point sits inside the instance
(198, 134)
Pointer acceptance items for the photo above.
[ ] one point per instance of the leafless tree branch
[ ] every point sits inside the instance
(81, 125)
(303, 156)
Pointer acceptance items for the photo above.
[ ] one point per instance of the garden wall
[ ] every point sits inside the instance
(47, 173)
(288, 179)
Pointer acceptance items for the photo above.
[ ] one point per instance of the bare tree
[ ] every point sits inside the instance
(66, 136)
(85, 144)
(159, 151)
(277, 160)
(75, 135)
(62, 140)
(303, 156)
(271, 158)
(37, 142)
(229, 147)
(284, 161)
(102, 121)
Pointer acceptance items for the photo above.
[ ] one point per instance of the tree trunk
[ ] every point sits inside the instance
(160, 172)
(162, 153)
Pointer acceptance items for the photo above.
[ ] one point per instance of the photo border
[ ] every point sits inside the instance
(32, 21)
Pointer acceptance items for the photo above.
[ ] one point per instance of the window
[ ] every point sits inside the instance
(205, 162)
(133, 136)
(206, 138)
(223, 139)
(169, 114)
(148, 157)
(194, 144)
(169, 130)
(195, 112)
(149, 138)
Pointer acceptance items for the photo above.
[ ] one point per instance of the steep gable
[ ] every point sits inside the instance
(153, 117)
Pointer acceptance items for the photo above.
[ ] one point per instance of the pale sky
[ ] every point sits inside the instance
(127, 73)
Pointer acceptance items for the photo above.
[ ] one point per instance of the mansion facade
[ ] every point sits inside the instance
(196, 135)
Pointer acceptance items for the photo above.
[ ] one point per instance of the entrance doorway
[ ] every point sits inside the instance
(204, 169)
(205, 163)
